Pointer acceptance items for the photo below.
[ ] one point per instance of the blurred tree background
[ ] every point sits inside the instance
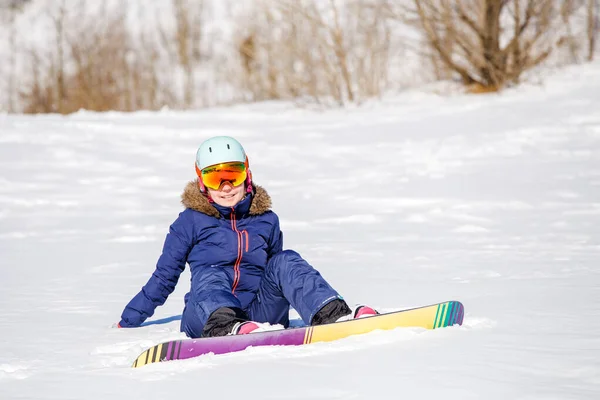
(64, 55)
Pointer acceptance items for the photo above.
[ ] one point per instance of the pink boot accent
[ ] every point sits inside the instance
(243, 328)
(246, 327)
(364, 311)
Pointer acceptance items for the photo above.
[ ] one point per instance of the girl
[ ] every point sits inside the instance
(242, 280)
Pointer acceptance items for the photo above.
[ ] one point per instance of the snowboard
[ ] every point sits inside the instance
(429, 317)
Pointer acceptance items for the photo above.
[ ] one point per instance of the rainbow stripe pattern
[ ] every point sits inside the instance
(429, 317)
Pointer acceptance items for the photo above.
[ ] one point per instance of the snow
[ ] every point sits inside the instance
(493, 200)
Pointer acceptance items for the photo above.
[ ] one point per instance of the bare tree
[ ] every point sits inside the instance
(570, 40)
(59, 21)
(332, 52)
(38, 93)
(106, 71)
(488, 51)
(13, 7)
(593, 25)
(188, 37)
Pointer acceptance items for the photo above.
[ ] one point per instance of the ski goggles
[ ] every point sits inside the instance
(214, 176)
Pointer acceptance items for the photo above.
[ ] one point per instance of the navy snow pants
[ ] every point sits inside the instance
(288, 280)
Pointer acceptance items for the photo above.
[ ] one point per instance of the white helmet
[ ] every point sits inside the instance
(217, 150)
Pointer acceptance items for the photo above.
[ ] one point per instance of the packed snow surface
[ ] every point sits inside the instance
(493, 200)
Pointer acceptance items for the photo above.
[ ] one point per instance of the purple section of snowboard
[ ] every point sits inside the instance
(227, 344)
(460, 316)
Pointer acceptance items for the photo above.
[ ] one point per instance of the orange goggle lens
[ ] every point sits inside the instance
(215, 175)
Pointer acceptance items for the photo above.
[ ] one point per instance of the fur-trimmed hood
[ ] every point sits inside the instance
(194, 199)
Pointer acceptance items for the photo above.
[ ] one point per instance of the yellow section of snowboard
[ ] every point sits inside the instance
(422, 317)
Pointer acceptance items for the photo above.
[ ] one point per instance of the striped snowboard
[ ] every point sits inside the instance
(430, 317)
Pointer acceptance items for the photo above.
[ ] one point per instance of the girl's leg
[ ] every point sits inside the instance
(290, 280)
(211, 309)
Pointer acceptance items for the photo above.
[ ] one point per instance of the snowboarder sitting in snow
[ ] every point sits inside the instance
(242, 280)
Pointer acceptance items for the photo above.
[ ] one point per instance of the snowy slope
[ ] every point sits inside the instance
(490, 200)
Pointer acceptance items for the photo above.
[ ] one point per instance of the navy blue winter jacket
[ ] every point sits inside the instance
(240, 240)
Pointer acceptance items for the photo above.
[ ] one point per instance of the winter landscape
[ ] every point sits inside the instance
(492, 200)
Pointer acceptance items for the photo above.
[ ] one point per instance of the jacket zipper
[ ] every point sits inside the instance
(240, 238)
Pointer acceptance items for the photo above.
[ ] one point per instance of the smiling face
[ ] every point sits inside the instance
(228, 195)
